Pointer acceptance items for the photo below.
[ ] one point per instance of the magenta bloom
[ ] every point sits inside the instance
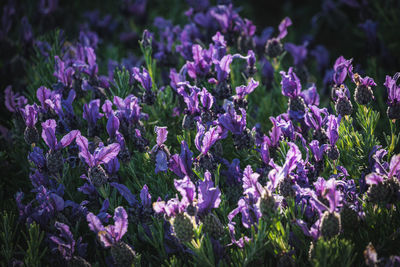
(111, 234)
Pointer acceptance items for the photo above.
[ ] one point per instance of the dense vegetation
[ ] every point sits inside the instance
(178, 133)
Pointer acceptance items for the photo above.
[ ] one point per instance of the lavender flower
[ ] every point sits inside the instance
(241, 92)
(384, 184)
(342, 68)
(54, 158)
(67, 245)
(363, 93)
(274, 46)
(13, 102)
(62, 73)
(102, 155)
(30, 114)
(393, 111)
(111, 236)
(181, 164)
(291, 87)
(91, 115)
(333, 135)
(160, 151)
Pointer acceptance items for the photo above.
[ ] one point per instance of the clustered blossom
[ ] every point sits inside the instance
(296, 170)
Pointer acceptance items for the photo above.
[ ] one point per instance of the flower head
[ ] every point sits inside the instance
(111, 234)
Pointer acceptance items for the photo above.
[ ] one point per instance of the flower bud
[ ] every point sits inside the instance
(213, 226)
(393, 112)
(343, 106)
(122, 254)
(274, 48)
(266, 203)
(321, 136)
(297, 104)
(243, 140)
(223, 90)
(285, 188)
(54, 161)
(188, 122)
(31, 135)
(363, 94)
(378, 193)
(191, 210)
(333, 153)
(98, 176)
(149, 97)
(349, 218)
(183, 227)
(206, 162)
(330, 224)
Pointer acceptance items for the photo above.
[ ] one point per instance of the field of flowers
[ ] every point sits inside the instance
(200, 133)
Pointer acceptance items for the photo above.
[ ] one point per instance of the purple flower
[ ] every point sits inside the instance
(204, 140)
(366, 81)
(66, 243)
(49, 136)
(277, 174)
(145, 197)
(30, 115)
(233, 122)
(191, 99)
(143, 77)
(264, 153)
(275, 133)
(160, 151)
(370, 29)
(187, 190)
(111, 234)
(333, 195)
(91, 112)
(107, 108)
(101, 155)
(310, 96)
(63, 74)
(202, 62)
(112, 126)
(393, 170)
(206, 99)
(298, 52)
(242, 91)
(291, 86)
(318, 151)
(37, 157)
(181, 164)
(176, 78)
(225, 16)
(333, 129)
(209, 197)
(67, 104)
(49, 100)
(112, 166)
(251, 186)
(49, 203)
(128, 109)
(223, 68)
(393, 89)
(13, 102)
(314, 117)
(341, 68)
(285, 23)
